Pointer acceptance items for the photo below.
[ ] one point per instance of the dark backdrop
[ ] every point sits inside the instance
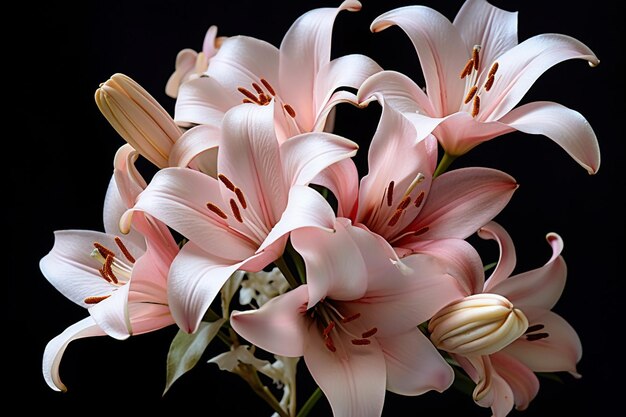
(60, 150)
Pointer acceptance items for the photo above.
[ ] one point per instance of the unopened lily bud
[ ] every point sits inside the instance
(479, 324)
(138, 118)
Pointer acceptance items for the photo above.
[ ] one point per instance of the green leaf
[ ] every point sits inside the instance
(186, 350)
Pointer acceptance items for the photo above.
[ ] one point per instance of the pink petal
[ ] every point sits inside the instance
(559, 352)
(460, 259)
(335, 261)
(441, 51)
(306, 208)
(185, 64)
(491, 390)
(414, 366)
(129, 181)
(345, 71)
(204, 101)
(178, 197)
(114, 209)
(72, 271)
(279, 326)
(197, 147)
(507, 259)
(249, 156)
(146, 317)
(56, 347)
(523, 381)
(111, 314)
(353, 378)
(304, 51)
(241, 61)
(494, 29)
(326, 113)
(520, 67)
(342, 179)
(399, 299)
(208, 45)
(463, 200)
(305, 156)
(195, 279)
(399, 91)
(541, 287)
(568, 128)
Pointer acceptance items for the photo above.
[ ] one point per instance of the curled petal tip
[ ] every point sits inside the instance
(593, 63)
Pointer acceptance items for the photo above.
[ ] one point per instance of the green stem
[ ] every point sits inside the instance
(250, 375)
(444, 164)
(284, 268)
(310, 403)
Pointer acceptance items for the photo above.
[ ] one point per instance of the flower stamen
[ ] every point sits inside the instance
(124, 250)
(235, 209)
(95, 299)
(215, 209)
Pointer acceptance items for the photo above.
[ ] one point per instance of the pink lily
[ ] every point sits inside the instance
(401, 201)
(355, 321)
(476, 73)
(122, 282)
(238, 221)
(503, 330)
(300, 76)
(191, 64)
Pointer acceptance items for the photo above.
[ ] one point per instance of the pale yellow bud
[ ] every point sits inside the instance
(479, 324)
(138, 118)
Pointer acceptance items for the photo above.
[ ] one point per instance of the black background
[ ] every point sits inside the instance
(60, 152)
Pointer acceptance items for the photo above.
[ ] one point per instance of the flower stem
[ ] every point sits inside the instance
(250, 375)
(444, 164)
(310, 403)
(284, 268)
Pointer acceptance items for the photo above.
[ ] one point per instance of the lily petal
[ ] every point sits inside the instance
(494, 29)
(399, 91)
(197, 147)
(203, 101)
(414, 366)
(55, 348)
(304, 51)
(441, 51)
(521, 66)
(185, 63)
(491, 389)
(523, 381)
(111, 314)
(558, 352)
(507, 259)
(566, 127)
(463, 200)
(342, 179)
(279, 326)
(352, 378)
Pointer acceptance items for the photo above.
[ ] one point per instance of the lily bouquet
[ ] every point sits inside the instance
(259, 234)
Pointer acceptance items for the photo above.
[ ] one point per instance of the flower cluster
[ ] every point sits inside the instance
(257, 232)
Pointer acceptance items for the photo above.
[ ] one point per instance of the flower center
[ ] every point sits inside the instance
(331, 322)
(114, 270)
(471, 74)
(263, 95)
(479, 324)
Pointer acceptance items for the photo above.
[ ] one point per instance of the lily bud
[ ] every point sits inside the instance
(138, 118)
(479, 324)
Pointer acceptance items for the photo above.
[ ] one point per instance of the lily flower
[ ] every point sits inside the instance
(121, 281)
(355, 320)
(300, 76)
(239, 220)
(400, 200)
(191, 64)
(504, 330)
(476, 73)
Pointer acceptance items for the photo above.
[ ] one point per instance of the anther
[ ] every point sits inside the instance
(536, 336)
(124, 250)
(215, 209)
(330, 345)
(95, 300)
(489, 82)
(467, 70)
(258, 88)
(390, 194)
(404, 203)
(103, 250)
(470, 95)
(249, 95)
(268, 86)
(226, 182)
(235, 210)
(419, 199)
(421, 231)
(104, 275)
(493, 70)
(290, 110)
(241, 198)
(371, 332)
(245, 100)
(328, 328)
(475, 57)
(534, 328)
(361, 342)
(394, 219)
(350, 318)
(476, 106)
(108, 262)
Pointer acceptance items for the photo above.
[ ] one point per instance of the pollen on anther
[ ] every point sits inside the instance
(124, 250)
(328, 329)
(268, 86)
(215, 209)
(394, 219)
(476, 106)
(404, 203)
(108, 270)
(235, 209)
(419, 199)
(475, 57)
(493, 70)
(421, 231)
(258, 88)
(489, 82)
(249, 95)
(467, 69)
(371, 332)
(536, 336)
(103, 250)
(95, 299)
(241, 198)
(351, 318)
(226, 182)
(290, 110)
(104, 275)
(361, 342)
(390, 194)
(470, 95)
(330, 345)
